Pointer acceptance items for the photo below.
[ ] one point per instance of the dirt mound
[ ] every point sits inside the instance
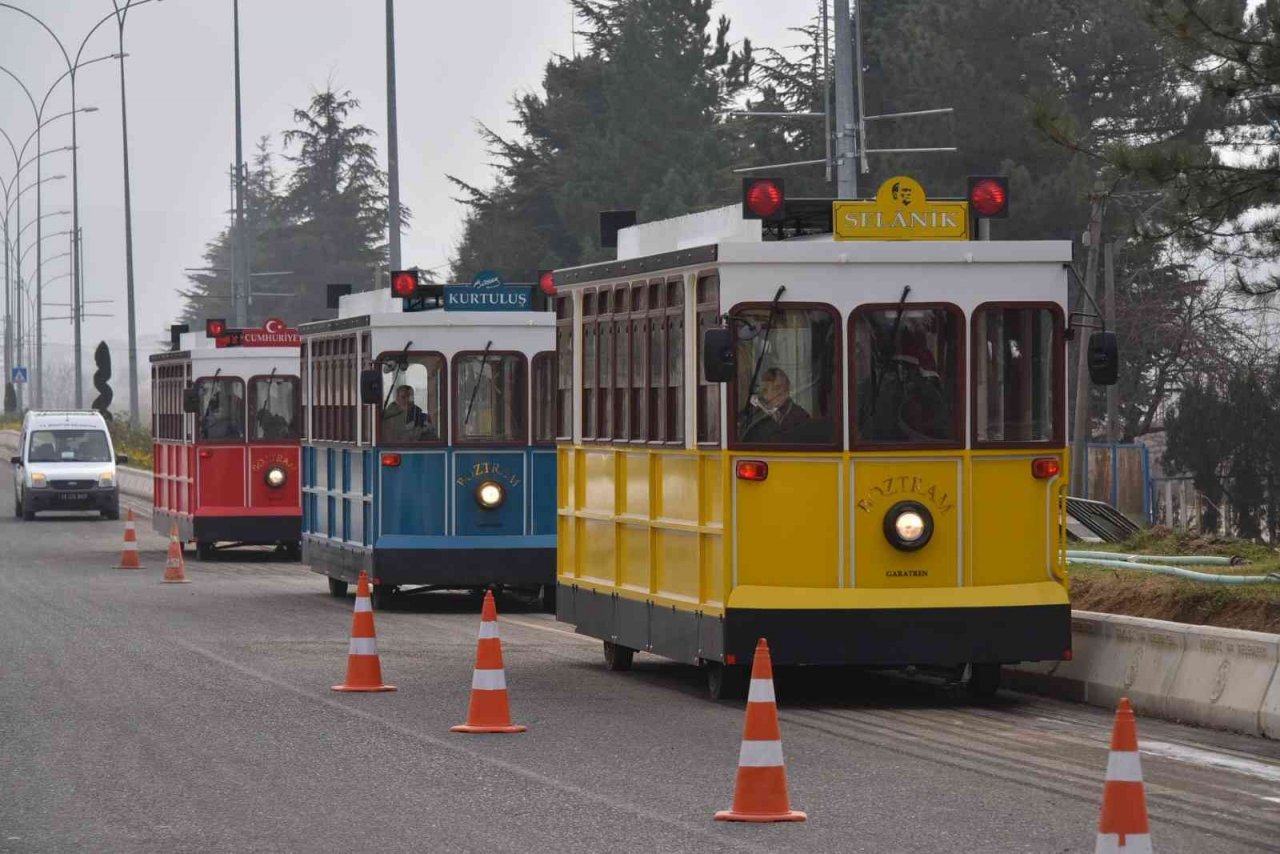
(1165, 598)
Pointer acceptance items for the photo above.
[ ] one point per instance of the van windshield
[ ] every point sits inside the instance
(69, 446)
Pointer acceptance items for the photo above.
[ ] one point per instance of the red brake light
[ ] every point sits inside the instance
(763, 198)
(989, 196)
(730, 659)
(404, 284)
(206, 455)
(752, 470)
(391, 460)
(547, 282)
(1044, 468)
(1066, 655)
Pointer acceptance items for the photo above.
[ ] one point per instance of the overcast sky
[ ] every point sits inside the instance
(458, 64)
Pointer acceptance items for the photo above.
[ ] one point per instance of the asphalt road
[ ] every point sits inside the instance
(142, 717)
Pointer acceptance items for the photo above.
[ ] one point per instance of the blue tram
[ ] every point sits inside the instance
(428, 450)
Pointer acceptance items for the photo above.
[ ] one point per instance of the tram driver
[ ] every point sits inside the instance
(223, 422)
(773, 414)
(404, 421)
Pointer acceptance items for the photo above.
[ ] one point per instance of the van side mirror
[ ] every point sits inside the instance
(121, 459)
(15, 461)
(1104, 358)
(719, 355)
(371, 388)
(190, 400)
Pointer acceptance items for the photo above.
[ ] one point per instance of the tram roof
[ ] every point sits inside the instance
(722, 237)
(199, 349)
(379, 309)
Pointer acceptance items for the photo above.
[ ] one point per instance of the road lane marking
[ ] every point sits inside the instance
(453, 746)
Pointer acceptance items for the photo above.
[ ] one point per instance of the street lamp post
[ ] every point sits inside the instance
(393, 144)
(72, 67)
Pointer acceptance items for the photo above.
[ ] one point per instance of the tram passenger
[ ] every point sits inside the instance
(404, 421)
(773, 415)
(908, 405)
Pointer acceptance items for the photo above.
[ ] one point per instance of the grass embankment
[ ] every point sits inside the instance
(133, 442)
(1162, 597)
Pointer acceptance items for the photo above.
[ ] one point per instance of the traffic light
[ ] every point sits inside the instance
(989, 196)
(404, 283)
(763, 198)
(214, 326)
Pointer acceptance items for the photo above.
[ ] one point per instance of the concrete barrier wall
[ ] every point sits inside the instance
(1222, 678)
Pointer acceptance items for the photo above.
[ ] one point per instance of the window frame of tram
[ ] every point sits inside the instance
(1055, 388)
(168, 417)
(440, 418)
(707, 316)
(333, 398)
(294, 430)
(835, 402)
(460, 400)
(544, 376)
(205, 402)
(564, 368)
(912, 363)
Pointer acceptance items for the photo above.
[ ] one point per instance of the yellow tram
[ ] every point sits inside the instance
(852, 447)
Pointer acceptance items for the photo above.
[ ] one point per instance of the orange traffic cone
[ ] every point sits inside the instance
(761, 792)
(174, 570)
(364, 669)
(1122, 828)
(489, 710)
(129, 557)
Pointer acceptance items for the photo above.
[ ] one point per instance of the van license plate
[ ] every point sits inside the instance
(73, 496)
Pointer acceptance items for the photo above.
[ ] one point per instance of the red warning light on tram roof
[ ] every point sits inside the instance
(404, 283)
(989, 196)
(213, 327)
(547, 282)
(762, 198)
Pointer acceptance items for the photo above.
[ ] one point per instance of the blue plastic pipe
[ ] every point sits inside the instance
(1206, 577)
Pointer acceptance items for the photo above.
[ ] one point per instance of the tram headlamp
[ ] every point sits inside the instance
(490, 495)
(908, 525)
(275, 477)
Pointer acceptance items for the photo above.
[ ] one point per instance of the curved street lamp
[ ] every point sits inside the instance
(116, 14)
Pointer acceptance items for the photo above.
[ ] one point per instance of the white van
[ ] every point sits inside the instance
(65, 461)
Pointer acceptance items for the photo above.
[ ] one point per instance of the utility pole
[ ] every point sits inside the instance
(846, 140)
(1080, 427)
(1109, 322)
(393, 144)
(239, 269)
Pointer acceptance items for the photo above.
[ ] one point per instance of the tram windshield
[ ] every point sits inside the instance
(221, 408)
(275, 408)
(77, 446)
(490, 403)
(906, 364)
(412, 399)
(786, 389)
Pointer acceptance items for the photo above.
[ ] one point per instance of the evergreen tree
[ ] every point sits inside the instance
(631, 124)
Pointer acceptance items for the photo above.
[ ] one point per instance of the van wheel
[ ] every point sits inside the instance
(617, 658)
(17, 507)
(984, 680)
(337, 588)
(111, 515)
(726, 682)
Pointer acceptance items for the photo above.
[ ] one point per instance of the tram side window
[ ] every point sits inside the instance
(906, 375)
(490, 402)
(787, 391)
(544, 398)
(564, 367)
(222, 409)
(274, 404)
(413, 392)
(1016, 361)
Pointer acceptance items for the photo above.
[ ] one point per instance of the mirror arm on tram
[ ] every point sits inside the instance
(484, 357)
(1072, 323)
(764, 348)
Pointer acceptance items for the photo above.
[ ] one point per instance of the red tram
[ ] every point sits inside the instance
(226, 418)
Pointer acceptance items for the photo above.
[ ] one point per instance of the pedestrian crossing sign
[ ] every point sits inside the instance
(19, 376)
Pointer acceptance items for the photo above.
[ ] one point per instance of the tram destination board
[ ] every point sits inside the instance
(488, 298)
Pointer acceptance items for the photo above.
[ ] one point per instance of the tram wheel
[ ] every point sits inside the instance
(292, 551)
(204, 550)
(617, 658)
(726, 682)
(337, 587)
(380, 597)
(984, 680)
(549, 598)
